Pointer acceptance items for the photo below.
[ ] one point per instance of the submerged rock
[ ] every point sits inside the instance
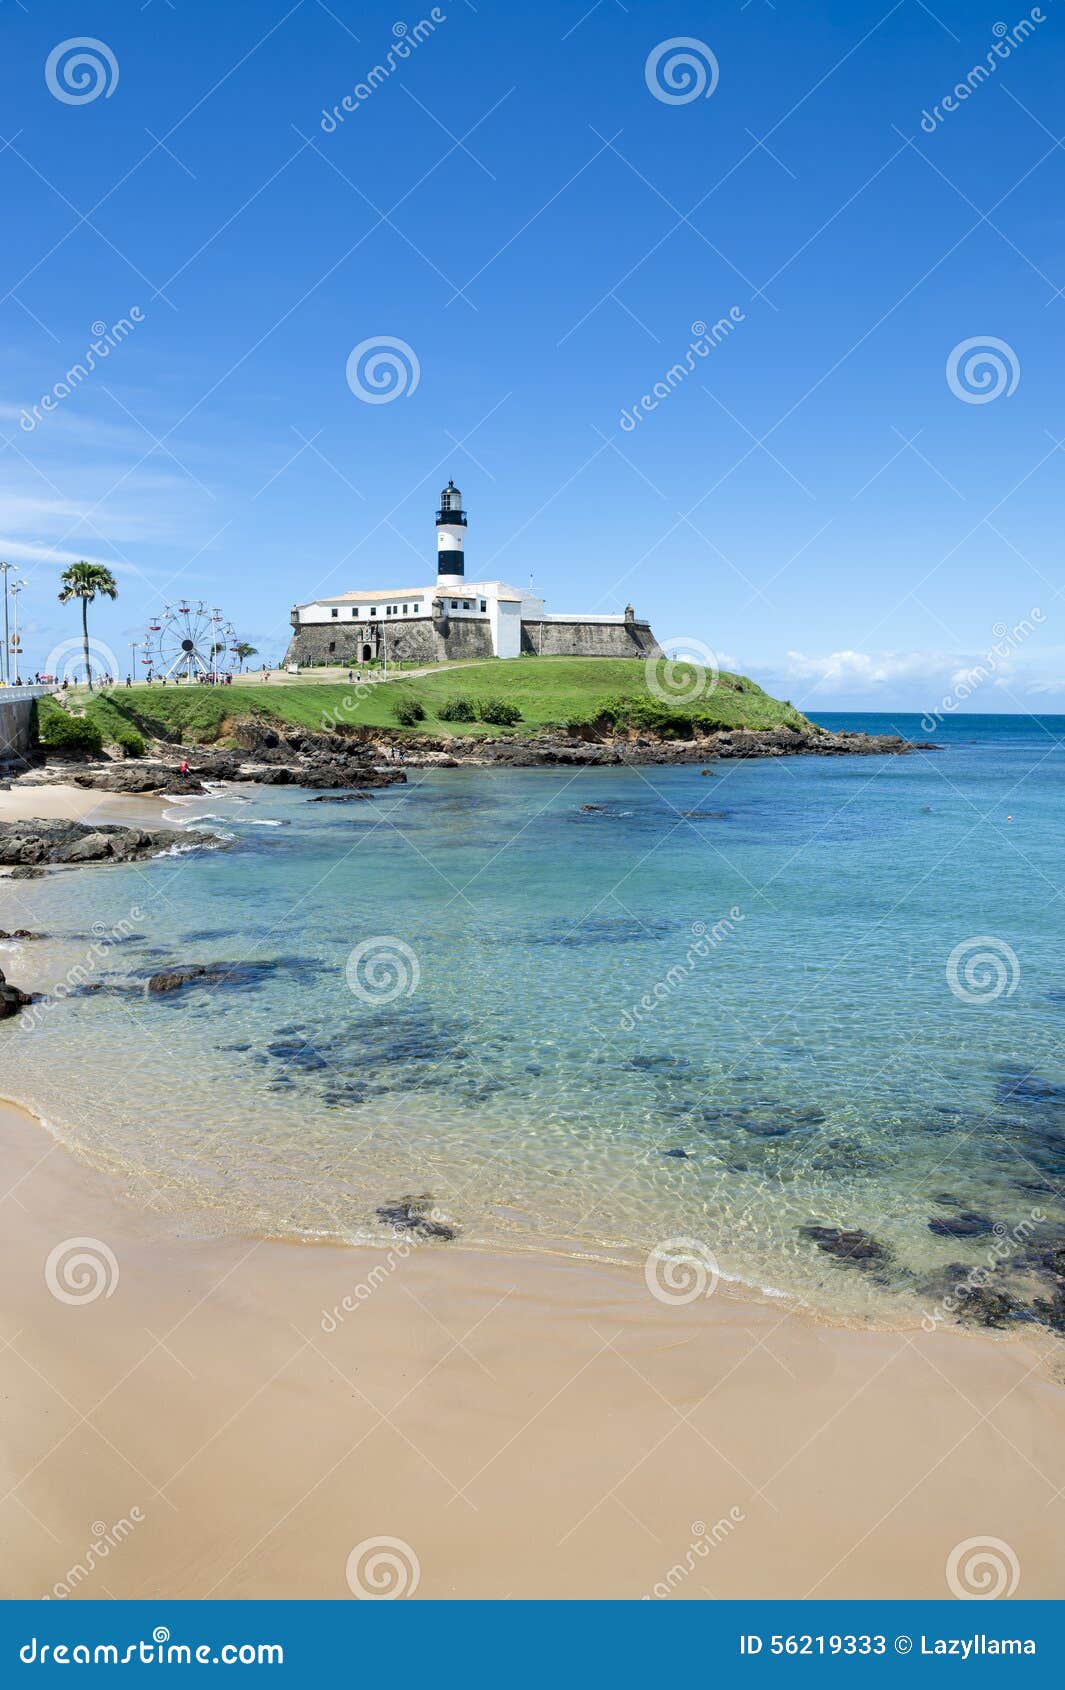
(340, 798)
(678, 1154)
(21, 933)
(414, 1214)
(851, 1244)
(966, 1225)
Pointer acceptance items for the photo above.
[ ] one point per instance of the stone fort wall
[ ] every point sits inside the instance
(450, 639)
(584, 637)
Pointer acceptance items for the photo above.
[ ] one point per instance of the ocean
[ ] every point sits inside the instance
(595, 1012)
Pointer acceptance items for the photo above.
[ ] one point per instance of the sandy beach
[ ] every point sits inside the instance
(217, 1416)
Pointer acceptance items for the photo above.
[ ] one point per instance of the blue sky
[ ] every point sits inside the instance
(516, 203)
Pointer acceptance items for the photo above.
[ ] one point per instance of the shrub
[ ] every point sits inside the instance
(497, 710)
(408, 711)
(131, 742)
(70, 736)
(457, 710)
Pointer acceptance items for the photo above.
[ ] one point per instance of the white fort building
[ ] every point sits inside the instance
(455, 617)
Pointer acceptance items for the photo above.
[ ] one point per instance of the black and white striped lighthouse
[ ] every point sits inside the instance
(450, 538)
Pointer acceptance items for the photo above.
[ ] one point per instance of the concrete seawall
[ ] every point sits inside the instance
(16, 717)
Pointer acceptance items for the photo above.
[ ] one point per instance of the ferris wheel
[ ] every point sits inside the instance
(188, 641)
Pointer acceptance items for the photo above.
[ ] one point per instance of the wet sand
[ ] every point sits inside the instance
(218, 1424)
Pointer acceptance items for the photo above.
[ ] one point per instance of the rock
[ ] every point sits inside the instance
(170, 979)
(26, 844)
(978, 1305)
(410, 1214)
(966, 1225)
(592, 809)
(21, 933)
(11, 998)
(678, 1154)
(340, 798)
(23, 873)
(245, 973)
(847, 1244)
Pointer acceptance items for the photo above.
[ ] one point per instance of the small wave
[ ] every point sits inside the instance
(265, 821)
(217, 834)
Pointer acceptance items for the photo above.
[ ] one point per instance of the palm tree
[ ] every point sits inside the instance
(83, 581)
(244, 651)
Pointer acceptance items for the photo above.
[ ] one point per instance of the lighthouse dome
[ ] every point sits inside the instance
(451, 498)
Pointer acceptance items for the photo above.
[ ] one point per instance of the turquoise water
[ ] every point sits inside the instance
(761, 985)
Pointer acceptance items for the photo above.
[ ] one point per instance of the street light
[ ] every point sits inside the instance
(7, 568)
(16, 644)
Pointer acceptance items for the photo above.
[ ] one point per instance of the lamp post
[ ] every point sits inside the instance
(7, 568)
(16, 644)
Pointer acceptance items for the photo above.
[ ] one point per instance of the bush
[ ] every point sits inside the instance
(457, 710)
(130, 742)
(69, 736)
(408, 711)
(497, 710)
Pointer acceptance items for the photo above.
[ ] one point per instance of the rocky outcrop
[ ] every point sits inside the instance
(275, 754)
(30, 844)
(570, 750)
(265, 754)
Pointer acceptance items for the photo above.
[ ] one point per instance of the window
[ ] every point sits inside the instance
(484, 606)
(354, 612)
(332, 645)
(334, 612)
(406, 607)
(373, 610)
(465, 604)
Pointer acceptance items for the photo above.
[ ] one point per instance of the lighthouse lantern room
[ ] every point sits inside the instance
(450, 538)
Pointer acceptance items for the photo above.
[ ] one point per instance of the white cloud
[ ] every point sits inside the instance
(923, 676)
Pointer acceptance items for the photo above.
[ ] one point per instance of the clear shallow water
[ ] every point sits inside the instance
(762, 986)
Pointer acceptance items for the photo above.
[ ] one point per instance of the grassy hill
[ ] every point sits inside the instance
(550, 692)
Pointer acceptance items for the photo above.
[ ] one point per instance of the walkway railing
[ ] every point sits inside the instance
(21, 695)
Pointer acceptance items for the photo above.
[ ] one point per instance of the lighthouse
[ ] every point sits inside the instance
(450, 538)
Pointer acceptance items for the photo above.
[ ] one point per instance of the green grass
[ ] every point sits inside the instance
(551, 692)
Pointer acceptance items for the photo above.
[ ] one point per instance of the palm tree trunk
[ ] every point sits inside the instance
(85, 638)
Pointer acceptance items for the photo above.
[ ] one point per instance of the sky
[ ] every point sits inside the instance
(851, 489)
